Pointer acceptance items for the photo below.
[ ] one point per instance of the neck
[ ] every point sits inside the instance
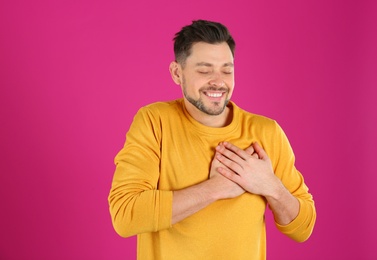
(221, 120)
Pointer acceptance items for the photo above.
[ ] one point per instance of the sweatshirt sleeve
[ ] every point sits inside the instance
(283, 161)
(135, 203)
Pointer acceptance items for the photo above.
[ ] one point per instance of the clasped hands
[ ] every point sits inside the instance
(248, 170)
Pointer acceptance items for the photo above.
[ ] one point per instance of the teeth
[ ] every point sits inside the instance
(214, 94)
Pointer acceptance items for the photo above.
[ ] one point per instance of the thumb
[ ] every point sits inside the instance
(259, 150)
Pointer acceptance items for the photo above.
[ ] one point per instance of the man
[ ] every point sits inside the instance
(195, 174)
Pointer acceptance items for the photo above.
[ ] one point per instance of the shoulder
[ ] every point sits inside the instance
(260, 126)
(253, 119)
(161, 107)
(161, 110)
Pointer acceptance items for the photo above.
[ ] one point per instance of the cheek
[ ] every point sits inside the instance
(195, 84)
(230, 83)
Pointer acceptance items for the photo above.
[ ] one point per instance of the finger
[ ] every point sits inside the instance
(229, 174)
(259, 151)
(250, 150)
(216, 163)
(238, 151)
(229, 162)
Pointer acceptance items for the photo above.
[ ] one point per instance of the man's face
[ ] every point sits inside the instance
(208, 77)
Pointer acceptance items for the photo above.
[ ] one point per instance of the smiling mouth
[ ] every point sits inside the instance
(214, 94)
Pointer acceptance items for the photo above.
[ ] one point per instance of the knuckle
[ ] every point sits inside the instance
(233, 165)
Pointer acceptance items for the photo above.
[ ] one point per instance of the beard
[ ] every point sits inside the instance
(216, 109)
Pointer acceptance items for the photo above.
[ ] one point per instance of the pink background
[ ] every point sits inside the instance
(73, 74)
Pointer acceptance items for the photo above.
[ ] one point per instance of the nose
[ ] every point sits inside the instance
(217, 82)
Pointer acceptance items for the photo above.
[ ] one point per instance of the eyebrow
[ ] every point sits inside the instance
(206, 64)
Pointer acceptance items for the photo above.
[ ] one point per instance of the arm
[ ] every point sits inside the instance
(192, 199)
(136, 203)
(278, 181)
(137, 206)
(255, 175)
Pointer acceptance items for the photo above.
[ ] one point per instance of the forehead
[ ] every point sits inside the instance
(202, 52)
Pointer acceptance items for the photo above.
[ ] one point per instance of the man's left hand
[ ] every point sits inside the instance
(250, 168)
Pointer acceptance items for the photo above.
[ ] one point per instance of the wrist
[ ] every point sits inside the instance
(211, 188)
(277, 191)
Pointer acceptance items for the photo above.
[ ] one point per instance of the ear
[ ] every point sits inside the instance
(176, 72)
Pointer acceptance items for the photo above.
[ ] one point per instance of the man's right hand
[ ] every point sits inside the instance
(222, 186)
(190, 200)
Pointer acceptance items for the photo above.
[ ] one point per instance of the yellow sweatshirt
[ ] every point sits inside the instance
(167, 150)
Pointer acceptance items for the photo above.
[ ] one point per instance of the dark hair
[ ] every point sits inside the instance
(200, 31)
